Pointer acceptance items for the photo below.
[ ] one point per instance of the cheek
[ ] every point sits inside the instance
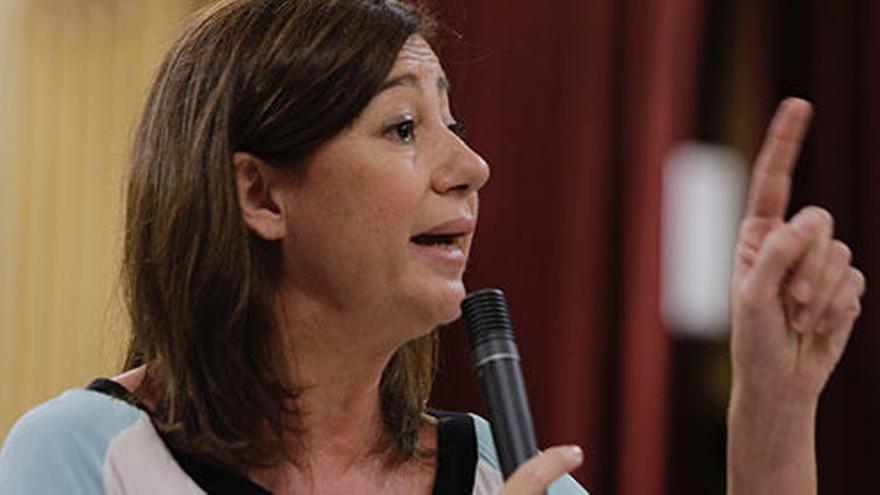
(363, 222)
(383, 213)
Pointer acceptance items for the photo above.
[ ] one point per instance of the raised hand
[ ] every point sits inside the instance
(794, 300)
(795, 295)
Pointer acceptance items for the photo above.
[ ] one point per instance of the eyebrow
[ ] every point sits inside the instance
(410, 79)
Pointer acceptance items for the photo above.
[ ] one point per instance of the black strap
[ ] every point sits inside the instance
(456, 453)
(115, 390)
(215, 480)
(210, 478)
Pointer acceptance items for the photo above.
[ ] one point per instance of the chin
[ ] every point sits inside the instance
(455, 293)
(444, 302)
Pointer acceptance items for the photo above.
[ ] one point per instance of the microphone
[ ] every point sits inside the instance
(496, 361)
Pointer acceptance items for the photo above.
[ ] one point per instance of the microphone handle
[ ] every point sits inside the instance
(511, 420)
(496, 361)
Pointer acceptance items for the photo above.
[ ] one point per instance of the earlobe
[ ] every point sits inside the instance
(255, 181)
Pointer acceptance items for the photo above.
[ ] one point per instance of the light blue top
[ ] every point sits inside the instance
(86, 442)
(60, 446)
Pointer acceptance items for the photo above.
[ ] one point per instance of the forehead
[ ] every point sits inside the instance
(416, 56)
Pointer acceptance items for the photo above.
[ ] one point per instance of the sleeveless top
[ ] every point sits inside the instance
(100, 440)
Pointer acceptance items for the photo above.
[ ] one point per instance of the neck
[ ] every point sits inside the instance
(338, 360)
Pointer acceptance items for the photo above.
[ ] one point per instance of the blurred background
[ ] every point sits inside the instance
(620, 133)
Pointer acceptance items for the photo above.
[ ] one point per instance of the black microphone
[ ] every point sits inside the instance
(496, 361)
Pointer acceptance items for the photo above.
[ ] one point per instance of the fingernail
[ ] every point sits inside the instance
(808, 222)
(806, 227)
(575, 453)
(802, 291)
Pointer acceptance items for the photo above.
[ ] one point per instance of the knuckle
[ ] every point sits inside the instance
(858, 279)
(841, 252)
(746, 253)
(847, 308)
(854, 309)
(780, 243)
(531, 474)
(748, 298)
(838, 307)
(775, 250)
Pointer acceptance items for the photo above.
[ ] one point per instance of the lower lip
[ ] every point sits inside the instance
(452, 255)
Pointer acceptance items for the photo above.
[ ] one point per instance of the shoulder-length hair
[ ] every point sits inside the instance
(274, 78)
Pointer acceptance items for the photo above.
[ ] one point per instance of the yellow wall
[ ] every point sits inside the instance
(73, 74)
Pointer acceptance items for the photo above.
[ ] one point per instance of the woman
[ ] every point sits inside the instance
(299, 214)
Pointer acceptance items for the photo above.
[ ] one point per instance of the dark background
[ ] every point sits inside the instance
(575, 104)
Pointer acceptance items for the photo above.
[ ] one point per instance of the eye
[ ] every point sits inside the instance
(458, 128)
(403, 131)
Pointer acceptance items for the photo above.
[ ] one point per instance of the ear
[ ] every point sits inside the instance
(258, 195)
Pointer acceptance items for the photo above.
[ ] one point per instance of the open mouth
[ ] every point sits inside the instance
(436, 240)
(447, 240)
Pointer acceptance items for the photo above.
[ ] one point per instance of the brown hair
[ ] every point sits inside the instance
(275, 78)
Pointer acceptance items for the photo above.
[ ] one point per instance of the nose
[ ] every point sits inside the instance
(460, 170)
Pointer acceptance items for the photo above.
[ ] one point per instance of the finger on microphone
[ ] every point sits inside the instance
(537, 474)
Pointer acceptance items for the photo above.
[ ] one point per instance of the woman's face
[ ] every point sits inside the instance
(381, 224)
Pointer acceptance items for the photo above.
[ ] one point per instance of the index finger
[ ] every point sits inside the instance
(539, 472)
(771, 178)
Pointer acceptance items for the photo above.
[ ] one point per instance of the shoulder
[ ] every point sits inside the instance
(489, 470)
(60, 446)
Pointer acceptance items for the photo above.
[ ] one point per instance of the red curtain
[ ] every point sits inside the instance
(575, 104)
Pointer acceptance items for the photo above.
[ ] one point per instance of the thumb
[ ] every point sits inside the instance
(781, 250)
(538, 473)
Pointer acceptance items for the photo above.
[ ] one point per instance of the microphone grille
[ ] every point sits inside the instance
(486, 317)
